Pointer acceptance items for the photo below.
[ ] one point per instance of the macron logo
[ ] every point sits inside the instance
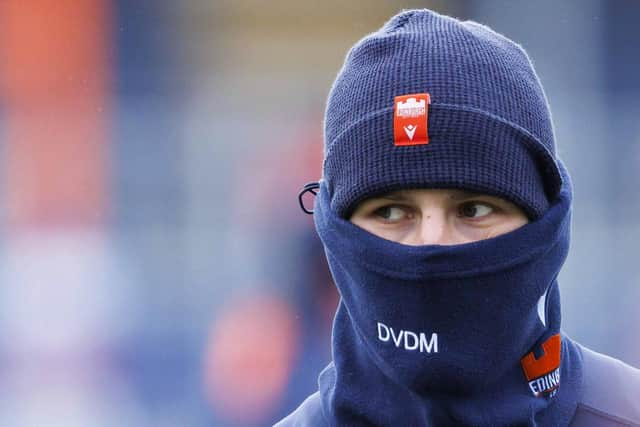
(410, 130)
(408, 340)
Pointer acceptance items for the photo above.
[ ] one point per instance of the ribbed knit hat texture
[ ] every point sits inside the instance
(489, 124)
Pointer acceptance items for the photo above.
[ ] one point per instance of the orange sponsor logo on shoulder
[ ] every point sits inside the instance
(543, 374)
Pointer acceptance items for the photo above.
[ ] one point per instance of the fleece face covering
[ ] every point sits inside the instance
(449, 335)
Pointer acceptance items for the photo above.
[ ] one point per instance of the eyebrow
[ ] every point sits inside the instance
(463, 195)
(458, 195)
(396, 196)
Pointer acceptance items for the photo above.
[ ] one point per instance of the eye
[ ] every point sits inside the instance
(474, 210)
(390, 213)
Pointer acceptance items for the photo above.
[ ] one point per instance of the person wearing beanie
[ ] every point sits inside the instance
(445, 214)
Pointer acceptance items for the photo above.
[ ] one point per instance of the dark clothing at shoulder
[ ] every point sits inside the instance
(610, 397)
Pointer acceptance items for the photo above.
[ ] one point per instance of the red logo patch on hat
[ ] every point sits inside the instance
(410, 116)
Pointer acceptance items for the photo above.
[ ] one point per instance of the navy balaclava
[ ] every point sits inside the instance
(445, 335)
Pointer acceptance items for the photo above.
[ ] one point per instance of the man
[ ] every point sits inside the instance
(445, 216)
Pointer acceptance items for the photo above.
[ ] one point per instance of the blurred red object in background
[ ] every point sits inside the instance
(251, 349)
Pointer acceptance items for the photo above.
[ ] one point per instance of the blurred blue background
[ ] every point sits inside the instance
(155, 269)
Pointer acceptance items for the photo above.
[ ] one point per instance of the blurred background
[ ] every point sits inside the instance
(155, 269)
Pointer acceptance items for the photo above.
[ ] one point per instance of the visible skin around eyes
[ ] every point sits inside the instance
(437, 216)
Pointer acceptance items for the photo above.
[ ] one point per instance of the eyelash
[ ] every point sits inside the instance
(378, 211)
(473, 203)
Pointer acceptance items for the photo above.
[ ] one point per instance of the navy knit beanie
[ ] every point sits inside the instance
(474, 92)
